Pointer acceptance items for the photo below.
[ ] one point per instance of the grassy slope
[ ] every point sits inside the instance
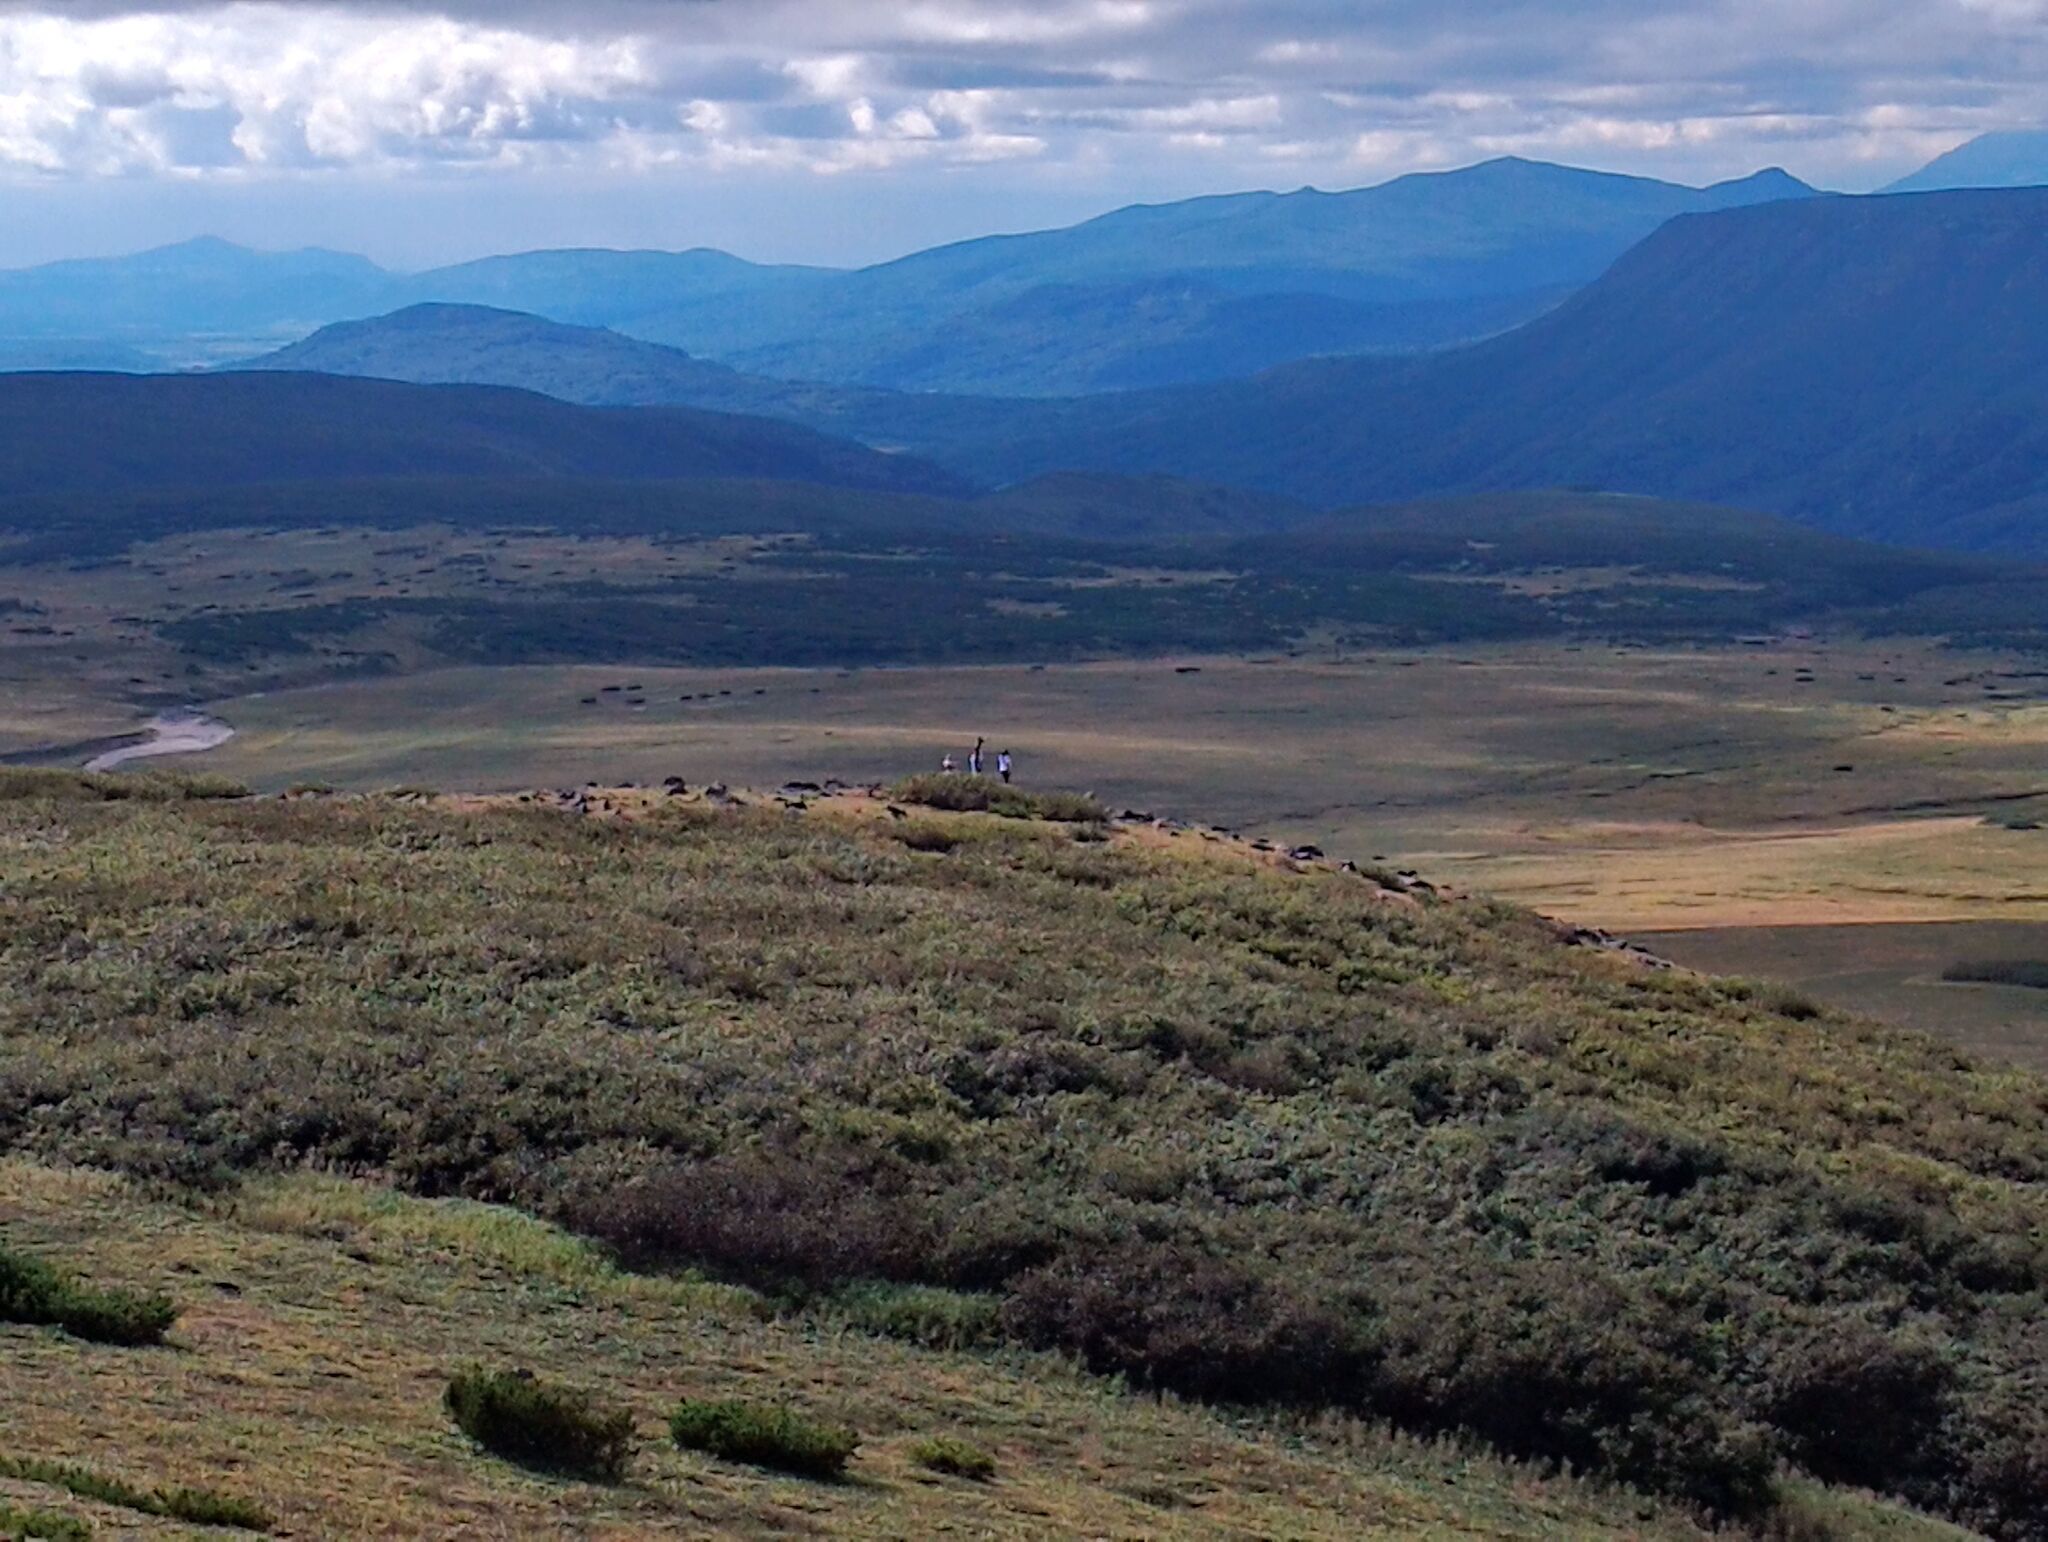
(1524, 1178)
(321, 1318)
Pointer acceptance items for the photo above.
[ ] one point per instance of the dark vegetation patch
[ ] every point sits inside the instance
(764, 1436)
(2031, 973)
(954, 1458)
(50, 1525)
(38, 1293)
(196, 1506)
(23, 783)
(987, 795)
(1251, 1136)
(837, 576)
(548, 1428)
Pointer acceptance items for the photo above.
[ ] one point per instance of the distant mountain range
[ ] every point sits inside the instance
(1875, 366)
(2013, 159)
(1207, 289)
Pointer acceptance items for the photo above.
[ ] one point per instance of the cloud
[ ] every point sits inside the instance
(1346, 88)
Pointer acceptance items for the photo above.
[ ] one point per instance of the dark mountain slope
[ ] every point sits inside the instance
(1875, 365)
(442, 344)
(71, 433)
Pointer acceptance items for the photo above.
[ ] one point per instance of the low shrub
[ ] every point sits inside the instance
(923, 835)
(2032, 973)
(930, 1316)
(1547, 1365)
(1788, 1003)
(779, 1222)
(763, 1436)
(34, 1292)
(47, 1525)
(1166, 1315)
(1861, 1407)
(197, 1506)
(209, 1507)
(986, 795)
(954, 1458)
(24, 783)
(549, 1428)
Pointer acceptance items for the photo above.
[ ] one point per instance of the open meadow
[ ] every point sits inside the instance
(1743, 792)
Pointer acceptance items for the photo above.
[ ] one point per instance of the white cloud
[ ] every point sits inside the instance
(1337, 88)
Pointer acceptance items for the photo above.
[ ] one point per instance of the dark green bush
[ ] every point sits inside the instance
(549, 1428)
(1169, 1316)
(1547, 1364)
(764, 1219)
(986, 795)
(928, 1315)
(2032, 973)
(954, 1458)
(104, 787)
(31, 1291)
(923, 835)
(763, 1436)
(199, 1506)
(45, 1525)
(1861, 1407)
(207, 1507)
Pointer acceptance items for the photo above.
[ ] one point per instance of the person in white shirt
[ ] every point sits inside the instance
(1003, 764)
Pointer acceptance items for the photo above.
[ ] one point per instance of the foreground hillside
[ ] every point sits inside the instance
(1245, 1128)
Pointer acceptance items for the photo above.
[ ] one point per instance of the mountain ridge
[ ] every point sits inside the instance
(1147, 295)
(2010, 158)
(1870, 365)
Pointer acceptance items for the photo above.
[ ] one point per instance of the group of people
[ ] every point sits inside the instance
(976, 764)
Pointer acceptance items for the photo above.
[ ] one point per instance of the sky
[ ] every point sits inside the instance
(842, 131)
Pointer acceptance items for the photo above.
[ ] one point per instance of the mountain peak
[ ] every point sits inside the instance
(2008, 158)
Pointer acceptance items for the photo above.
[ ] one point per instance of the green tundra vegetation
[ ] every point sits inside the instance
(1262, 1134)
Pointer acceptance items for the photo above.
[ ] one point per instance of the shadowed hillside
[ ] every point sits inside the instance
(1872, 365)
(103, 433)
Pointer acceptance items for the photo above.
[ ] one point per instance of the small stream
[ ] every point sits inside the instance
(168, 733)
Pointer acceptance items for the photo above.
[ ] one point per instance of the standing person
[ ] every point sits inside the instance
(1003, 765)
(974, 760)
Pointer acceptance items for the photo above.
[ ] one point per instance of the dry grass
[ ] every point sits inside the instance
(309, 1364)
